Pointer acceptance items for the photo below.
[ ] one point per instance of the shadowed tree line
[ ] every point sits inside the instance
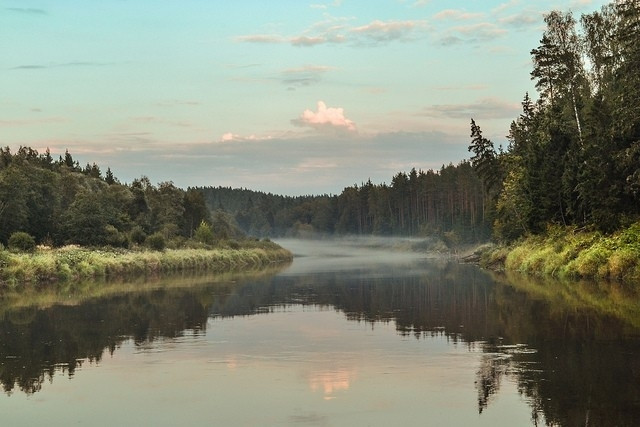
(448, 202)
(574, 154)
(58, 202)
(578, 363)
(36, 343)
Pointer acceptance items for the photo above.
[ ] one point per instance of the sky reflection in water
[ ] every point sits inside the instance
(380, 339)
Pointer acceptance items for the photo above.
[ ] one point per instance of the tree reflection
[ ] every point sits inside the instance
(574, 359)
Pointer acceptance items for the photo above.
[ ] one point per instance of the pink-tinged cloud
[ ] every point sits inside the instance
(388, 30)
(457, 15)
(421, 3)
(337, 31)
(505, 6)
(325, 117)
(229, 137)
(307, 41)
(261, 38)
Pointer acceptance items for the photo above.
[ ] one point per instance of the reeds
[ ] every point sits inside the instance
(568, 253)
(74, 263)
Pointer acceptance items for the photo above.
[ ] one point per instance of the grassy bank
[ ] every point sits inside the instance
(567, 253)
(74, 263)
(77, 292)
(607, 298)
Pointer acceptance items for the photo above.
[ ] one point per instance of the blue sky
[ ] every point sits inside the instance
(291, 97)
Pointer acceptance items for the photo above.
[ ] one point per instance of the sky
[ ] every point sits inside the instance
(289, 97)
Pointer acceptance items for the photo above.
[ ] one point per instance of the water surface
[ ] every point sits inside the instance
(344, 336)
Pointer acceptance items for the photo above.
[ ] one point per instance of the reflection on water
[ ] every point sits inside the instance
(480, 341)
(330, 382)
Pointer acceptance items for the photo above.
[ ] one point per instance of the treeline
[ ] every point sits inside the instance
(574, 155)
(59, 202)
(448, 202)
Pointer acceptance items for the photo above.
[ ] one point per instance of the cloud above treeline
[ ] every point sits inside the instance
(26, 10)
(304, 76)
(325, 118)
(487, 108)
(339, 30)
(61, 65)
(470, 27)
(292, 164)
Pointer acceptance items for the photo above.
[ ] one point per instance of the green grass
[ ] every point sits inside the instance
(566, 253)
(77, 292)
(72, 263)
(606, 298)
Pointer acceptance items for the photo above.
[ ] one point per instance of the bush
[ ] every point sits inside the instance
(22, 242)
(156, 242)
(115, 238)
(204, 233)
(137, 235)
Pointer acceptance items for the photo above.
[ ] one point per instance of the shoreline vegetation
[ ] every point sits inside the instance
(76, 292)
(567, 253)
(54, 266)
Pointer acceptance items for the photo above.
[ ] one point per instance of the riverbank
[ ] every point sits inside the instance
(73, 263)
(567, 253)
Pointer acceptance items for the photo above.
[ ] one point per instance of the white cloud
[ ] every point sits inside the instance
(304, 76)
(487, 108)
(389, 30)
(421, 3)
(480, 32)
(580, 4)
(325, 117)
(308, 41)
(505, 6)
(336, 31)
(230, 136)
(457, 15)
(525, 18)
(261, 38)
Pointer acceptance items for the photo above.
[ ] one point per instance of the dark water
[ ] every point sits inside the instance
(341, 337)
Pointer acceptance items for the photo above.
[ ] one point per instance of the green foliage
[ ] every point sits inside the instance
(60, 203)
(22, 242)
(137, 235)
(513, 208)
(566, 253)
(485, 160)
(204, 233)
(115, 238)
(156, 241)
(417, 203)
(72, 263)
(573, 156)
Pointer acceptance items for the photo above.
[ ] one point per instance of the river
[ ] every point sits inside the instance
(347, 335)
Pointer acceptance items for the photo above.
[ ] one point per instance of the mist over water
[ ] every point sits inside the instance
(348, 253)
(354, 332)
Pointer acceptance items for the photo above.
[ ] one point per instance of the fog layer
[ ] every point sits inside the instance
(358, 252)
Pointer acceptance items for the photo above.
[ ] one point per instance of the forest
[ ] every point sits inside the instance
(448, 203)
(573, 160)
(573, 157)
(58, 202)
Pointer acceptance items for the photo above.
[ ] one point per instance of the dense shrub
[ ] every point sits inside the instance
(22, 242)
(137, 235)
(156, 242)
(115, 238)
(204, 233)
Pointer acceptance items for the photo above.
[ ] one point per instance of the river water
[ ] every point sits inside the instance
(344, 336)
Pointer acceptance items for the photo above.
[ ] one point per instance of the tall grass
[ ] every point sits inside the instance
(571, 254)
(73, 263)
(76, 292)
